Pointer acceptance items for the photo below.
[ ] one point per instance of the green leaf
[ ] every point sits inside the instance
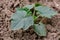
(28, 11)
(29, 6)
(18, 9)
(40, 29)
(38, 4)
(20, 20)
(34, 17)
(45, 11)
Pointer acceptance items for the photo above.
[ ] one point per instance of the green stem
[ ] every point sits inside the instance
(34, 13)
(42, 19)
(37, 17)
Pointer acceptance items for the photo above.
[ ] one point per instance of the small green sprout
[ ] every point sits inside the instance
(27, 16)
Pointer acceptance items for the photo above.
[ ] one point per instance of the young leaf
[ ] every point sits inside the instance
(18, 9)
(28, 11)
(37, 4)
(29, 6)
(40, 29)
(45, 11)
(21, 20)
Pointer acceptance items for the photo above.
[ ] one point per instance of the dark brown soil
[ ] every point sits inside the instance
(7, 7)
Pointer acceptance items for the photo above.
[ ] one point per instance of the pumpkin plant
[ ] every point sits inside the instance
(28, 15)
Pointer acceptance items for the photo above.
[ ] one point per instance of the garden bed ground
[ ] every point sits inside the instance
(7, 7)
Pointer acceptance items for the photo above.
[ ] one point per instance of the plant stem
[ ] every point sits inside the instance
(34, 13)
(42, 19)
(37, 17)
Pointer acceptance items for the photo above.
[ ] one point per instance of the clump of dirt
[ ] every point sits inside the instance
(7, 8)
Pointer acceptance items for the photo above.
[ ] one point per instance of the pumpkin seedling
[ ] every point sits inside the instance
(28, 15)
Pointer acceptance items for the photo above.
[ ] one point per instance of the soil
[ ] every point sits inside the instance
(7, 8)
